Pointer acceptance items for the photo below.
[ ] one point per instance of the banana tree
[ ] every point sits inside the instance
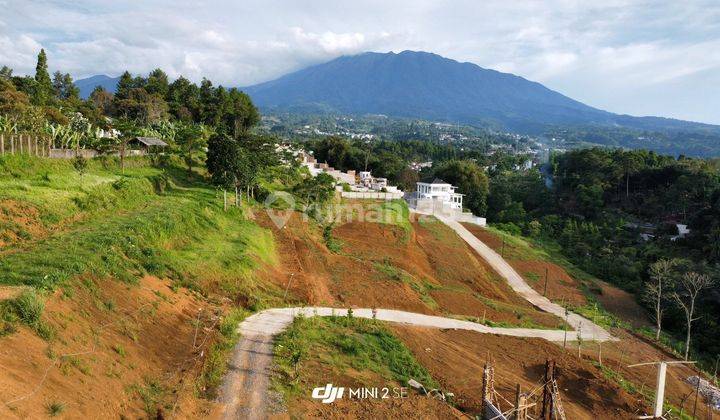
(8, 125)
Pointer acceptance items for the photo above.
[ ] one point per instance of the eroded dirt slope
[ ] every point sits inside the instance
(456, 359)
(427, 270)
(118, 349)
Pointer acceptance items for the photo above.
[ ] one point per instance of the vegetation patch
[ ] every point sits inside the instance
(215, 364)
(343, 345)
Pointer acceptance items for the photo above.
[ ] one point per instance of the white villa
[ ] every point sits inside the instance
(439, 198)
(441, 191)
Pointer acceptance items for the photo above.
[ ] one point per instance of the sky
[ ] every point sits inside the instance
(635, 57)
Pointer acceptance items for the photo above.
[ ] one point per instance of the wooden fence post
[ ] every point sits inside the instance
(547, 400)
(2, 144)
(20, 144)
(29, 139)
(520, 405)
(12, 145)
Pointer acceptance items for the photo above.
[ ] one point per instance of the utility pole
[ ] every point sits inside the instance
(567, 313)
(660, 386)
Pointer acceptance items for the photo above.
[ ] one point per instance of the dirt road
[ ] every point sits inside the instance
(244, 390)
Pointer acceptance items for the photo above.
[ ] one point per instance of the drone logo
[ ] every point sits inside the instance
(328, 393)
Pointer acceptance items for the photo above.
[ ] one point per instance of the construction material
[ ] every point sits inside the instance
(705, 389)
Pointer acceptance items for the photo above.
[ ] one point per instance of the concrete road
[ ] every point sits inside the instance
(517, 283)
(244, 391)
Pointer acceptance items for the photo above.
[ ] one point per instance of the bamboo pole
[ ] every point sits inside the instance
(20, 145)
(2, 144)
(12, 144)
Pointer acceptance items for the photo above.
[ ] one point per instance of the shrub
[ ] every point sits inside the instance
(55, 408)
(29, 307)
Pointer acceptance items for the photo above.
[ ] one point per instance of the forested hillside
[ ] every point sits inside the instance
(616, 214)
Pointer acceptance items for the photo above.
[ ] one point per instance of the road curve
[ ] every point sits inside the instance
(244, 390)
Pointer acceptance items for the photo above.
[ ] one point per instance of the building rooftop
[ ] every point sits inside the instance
(151, 141)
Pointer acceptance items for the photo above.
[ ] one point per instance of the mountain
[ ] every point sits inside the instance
(87, 85)
(425, 85)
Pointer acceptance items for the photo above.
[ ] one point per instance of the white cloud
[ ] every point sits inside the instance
(609, 54)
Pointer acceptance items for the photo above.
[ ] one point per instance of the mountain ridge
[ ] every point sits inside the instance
(418, 84)
(438, 88)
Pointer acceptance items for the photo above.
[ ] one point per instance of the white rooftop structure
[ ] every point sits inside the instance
(441, 191)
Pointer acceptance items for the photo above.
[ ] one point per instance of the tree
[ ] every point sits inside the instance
(239, 114)
(141, 106)
(12, 102)
(157, 83)
(6, 73)
(124, 85)
(128, 129)
(658, 289)
(64, 87)
(80, 165)
(226, 162)
(470, 180)
(183, 100)
(101, 99)
(407, 179)
(629, 163)
(43, 87)
(191, 140)
(692, 284)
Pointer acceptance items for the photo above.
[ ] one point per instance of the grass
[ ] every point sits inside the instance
(647, 394)
(390, 212)
(27, 309)
(421, 287)
(333, 244)
(153, 395)
(54, 408)
(215, 365)
(142, 222)
(344, 345)
(520, 248)
(53, 186)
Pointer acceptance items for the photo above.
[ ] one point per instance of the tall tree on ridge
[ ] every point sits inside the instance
(124, 85)
(44, 86)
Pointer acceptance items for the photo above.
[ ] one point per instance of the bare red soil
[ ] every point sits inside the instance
(112, 340)
(19, 222)
(456, 359)
(427, 270)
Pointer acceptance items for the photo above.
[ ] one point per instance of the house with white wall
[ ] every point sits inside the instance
(440, 191)
(440, 198)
